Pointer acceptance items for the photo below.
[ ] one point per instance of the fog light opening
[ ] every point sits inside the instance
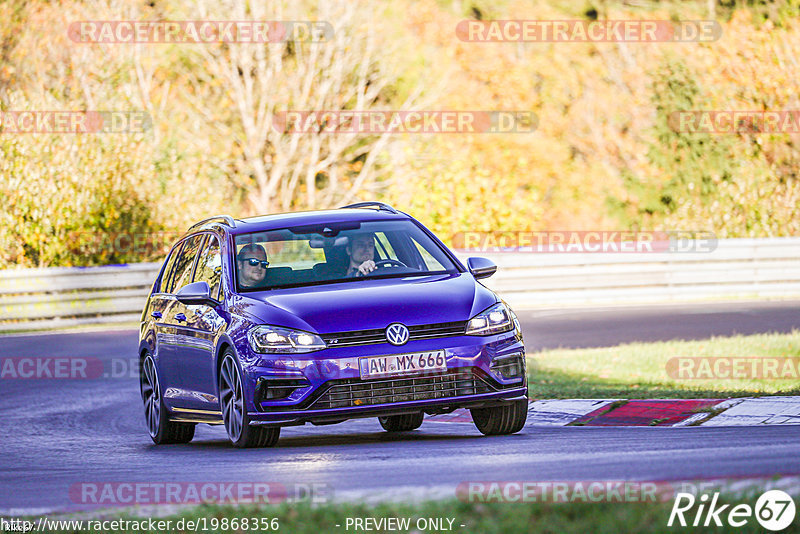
(510, 366)
(269, 389)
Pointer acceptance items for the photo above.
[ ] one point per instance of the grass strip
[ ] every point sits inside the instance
(639, 370)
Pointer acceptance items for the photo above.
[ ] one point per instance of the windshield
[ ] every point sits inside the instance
(350, 251)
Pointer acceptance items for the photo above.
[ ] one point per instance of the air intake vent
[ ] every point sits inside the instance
(353, 392)
(378, 335)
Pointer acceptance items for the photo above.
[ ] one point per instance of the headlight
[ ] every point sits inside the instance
(517, 326)
(276, 339)
(493, 320)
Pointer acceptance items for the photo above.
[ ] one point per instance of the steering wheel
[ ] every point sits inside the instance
(390, 263)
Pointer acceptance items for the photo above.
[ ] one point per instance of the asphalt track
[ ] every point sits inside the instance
(57, 433)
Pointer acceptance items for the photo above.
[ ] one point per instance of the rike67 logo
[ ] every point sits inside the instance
(774, 510)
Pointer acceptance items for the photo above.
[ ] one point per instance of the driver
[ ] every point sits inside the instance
(361, 250)
(251, 262)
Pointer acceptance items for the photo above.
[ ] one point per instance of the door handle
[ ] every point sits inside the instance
(156, 314)
(180, 317)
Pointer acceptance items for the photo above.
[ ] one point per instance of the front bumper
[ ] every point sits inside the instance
(433, 407)
(334, 391)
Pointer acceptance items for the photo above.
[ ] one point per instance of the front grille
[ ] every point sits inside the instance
(378, 335)
(354, 392)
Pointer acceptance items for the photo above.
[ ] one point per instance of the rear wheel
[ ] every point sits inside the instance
(498, 420)
(161, 429)
(401, 423)
(234, 409)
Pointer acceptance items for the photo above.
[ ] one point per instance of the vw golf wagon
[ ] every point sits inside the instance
(320, 317)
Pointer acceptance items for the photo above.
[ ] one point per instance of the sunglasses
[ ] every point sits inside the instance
(255, 261)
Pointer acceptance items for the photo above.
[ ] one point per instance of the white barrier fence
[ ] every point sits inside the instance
(737, 268)
(68, 296)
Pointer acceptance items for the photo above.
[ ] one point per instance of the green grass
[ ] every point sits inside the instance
(638, 370)
(483, 518)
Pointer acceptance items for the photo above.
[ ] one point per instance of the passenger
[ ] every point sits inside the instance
(361, 251)
(251, 263)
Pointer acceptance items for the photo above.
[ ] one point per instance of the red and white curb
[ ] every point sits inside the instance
(748, 411)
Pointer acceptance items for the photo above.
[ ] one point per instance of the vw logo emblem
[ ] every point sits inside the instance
(397, 334)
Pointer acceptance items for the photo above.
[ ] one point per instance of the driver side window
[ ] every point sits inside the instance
(169, 268)
(209, 266)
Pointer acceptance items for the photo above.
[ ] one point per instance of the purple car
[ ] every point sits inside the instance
(323, 316)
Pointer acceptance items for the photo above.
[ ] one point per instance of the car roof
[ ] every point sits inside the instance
(283, 220)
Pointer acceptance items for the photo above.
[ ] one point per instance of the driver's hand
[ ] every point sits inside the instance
(366, 267)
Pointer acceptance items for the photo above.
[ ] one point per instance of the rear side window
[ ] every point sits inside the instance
(209, 266)
(183, 267)
(166, 276)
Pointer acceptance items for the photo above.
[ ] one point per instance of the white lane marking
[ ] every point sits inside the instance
(696, 417)
(701, 416)
(760, 411)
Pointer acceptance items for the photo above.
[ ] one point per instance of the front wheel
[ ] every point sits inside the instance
(401, 423)
(499, 420)
(161, 429)
(234, 409)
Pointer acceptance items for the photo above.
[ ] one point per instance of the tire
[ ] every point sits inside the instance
(401, 423)
(500, 420)
(160, 428)
(233, 405)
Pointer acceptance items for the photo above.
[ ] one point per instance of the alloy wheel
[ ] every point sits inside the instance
(231, 398)
(151, 395)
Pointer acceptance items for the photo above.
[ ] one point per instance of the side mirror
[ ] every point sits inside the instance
(481, 267)
(196, 293)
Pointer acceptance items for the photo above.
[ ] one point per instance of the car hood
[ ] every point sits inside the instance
(368, 304)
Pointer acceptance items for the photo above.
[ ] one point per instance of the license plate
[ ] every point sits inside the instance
(402, 364)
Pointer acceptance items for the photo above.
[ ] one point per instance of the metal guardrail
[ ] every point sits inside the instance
(69, 296)
(737, 268)
(755, 268)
